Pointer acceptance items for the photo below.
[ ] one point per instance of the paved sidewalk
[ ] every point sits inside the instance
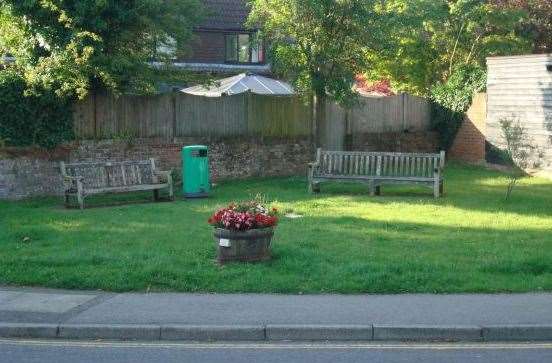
(45, 313)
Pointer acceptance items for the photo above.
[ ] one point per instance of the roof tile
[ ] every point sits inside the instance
(225, 14)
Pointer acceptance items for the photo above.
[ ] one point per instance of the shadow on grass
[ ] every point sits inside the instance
(467, 187)
(344, 254)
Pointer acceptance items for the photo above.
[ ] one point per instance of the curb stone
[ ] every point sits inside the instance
(213, 333)
(517, 333)
(183, 332)
(24, 330)
(108, 331)
(428, 333)
(319, 332)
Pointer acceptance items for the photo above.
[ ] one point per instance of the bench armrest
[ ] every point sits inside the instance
(312, 169)
(72, 182)
(73, 178)
(166, 175)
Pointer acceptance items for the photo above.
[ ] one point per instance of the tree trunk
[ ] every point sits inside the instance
(319, 113)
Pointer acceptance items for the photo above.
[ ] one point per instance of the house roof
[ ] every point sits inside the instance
(244, 82)
(225, 14)
(220, 67)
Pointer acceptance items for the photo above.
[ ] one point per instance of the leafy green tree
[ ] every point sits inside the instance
(75, 45)
(432, 38)
(320, 44)
(538, 24)
(32, 119)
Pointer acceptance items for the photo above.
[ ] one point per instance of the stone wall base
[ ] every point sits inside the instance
(27, 172)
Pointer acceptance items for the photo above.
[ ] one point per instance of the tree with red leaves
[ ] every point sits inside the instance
(376, 88)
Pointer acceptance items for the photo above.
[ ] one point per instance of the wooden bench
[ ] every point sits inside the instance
(377, 168)
(83, 179)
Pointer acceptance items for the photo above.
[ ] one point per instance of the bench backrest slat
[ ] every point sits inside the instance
(385, 164)
(97, 175)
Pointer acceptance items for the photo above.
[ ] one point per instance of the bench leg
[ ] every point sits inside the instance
(80, 199)
(155, 195)
(436, 189)
(66, 200)
(171, 192)
(314, 187)
(80, 194)
(442, 188)
(374, 189)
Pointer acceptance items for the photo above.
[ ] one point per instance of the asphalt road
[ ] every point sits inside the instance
(19, 351)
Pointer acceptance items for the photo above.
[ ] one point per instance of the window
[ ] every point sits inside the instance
(243, 48)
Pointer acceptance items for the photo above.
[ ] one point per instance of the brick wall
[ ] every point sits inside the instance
(25, 174)
(208, 47)
(30, 172)
(469, 144)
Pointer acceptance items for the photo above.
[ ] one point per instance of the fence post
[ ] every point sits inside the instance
(95, 116)
(403, 107)
(248, 114)
(173, 104)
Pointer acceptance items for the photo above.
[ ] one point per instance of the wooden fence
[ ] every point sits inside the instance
(374, 115)
(177, 115)
(174, 115)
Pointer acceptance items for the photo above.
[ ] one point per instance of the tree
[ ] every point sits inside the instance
(32, 119)
(75, 45)
(432, 38)
(538, 24)
(320, 44)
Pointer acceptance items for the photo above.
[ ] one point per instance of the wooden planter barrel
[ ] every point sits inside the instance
(245, 246)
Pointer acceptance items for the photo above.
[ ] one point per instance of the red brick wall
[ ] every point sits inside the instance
(469, 144)
(208, 47)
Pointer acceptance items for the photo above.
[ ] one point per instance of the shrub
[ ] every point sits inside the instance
(520, 152)
(32, 118)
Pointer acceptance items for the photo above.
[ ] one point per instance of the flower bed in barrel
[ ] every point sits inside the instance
(243, 231)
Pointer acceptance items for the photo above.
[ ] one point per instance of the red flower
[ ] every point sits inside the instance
(244, 216)
(266, 220)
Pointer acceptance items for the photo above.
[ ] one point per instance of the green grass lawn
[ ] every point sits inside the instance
(347, 242)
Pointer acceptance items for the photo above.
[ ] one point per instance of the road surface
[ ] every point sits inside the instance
(27, 351)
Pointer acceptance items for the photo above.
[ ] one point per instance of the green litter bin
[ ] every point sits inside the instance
(195, 171)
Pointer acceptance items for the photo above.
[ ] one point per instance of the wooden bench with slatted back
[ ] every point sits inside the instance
(378, 168)
(87, 178)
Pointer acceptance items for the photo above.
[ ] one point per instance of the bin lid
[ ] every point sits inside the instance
(194, 147)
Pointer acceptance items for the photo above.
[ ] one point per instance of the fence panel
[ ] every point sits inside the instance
(84, 123)
(211, 116)
(107, 116)
(331, 133)
(390, 114)
(278, 116)
(417, 113)
(171, 115)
